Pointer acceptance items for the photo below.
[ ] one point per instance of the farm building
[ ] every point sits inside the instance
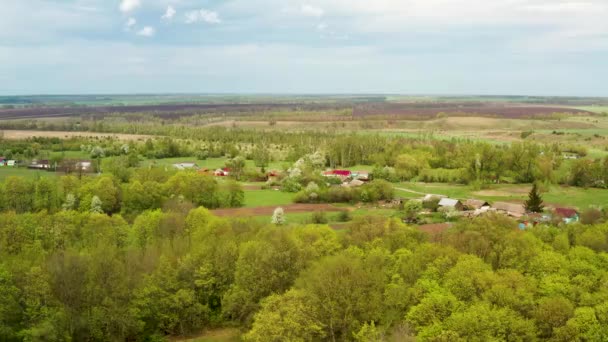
(568, 215)
(451, 203)
(432, 197)
(40, 165)
(7, 162)
(361, 175)
(84, 165)
(511, 209)
(473, 204)
(185, 166)
(353, 184)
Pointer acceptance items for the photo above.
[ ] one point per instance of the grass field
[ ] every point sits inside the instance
(23, 172)
(263, 198)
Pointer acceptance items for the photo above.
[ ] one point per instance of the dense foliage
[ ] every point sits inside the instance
(85, 276)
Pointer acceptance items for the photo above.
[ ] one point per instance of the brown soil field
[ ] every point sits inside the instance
(504, 193)
(430, 110)
(266, 211)
(21, 135)
(160, 110)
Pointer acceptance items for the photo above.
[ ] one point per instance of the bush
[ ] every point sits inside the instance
(291, 185)
(591, 216)
(319, 217)
(344, 216)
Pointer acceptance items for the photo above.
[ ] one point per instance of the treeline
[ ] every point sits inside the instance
(395, 159)
(144, 189)
(90, 277)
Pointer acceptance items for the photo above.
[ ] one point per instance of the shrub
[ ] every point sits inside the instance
(319, 217)
(291, 185)
(344, 216)
(591, 216)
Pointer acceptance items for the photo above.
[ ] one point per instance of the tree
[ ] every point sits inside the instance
(96, 205)
(534, 204)
(278, 217)
(287, 317)
(70, 202)
(236, 166)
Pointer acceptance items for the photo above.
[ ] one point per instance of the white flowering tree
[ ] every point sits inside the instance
(278, 217)
(96, 205)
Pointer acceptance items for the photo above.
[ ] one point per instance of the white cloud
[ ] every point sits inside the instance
(321, 26)
(169, 13)
(127, 6)
(147, 31)
(312, 11)
(130, 23)
(203, 15)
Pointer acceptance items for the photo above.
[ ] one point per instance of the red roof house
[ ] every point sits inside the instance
(337, 173)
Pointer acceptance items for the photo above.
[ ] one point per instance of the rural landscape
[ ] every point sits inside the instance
(258, 218)
(303, 171)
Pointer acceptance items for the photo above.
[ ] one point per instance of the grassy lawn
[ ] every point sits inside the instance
(23, 172)
(265, 198)
(566, 196)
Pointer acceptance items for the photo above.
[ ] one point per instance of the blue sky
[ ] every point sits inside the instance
(528, 47)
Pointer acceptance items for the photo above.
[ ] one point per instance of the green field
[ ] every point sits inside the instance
(23, 172)
(266, 198)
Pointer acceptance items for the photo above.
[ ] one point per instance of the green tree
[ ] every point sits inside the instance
(534, 204)
(96, 205)
(287, 317)
(347, 292)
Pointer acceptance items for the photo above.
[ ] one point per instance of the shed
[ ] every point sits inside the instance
(185, 165)
(511, 209)
(451, 203)
(474, 204)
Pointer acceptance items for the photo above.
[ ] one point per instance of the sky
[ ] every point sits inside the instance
(509, 47)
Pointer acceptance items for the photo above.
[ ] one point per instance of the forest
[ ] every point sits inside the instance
(92, 277)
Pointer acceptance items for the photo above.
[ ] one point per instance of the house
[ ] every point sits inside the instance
(568, 215)
(510, 209)
(273, 175)
(343, 174)
(451, 203)
(225, 172)
(40, 165)
(474, 204)
(185, 166)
